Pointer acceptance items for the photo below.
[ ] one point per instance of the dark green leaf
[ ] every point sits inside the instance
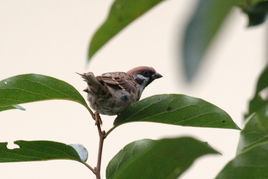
(176, 109)
(257, 102)
(203, 26)
(262, 81)
(122, 13)
(256, 10)
(257, 14)
(255, 130)
(248, 3)
(252, 156)
(250, 164)
(166, 158)
(33, 87)
(4, 108)
(37, 151)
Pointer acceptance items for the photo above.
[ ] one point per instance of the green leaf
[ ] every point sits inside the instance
(33, 87)
(176, 109)
(122, 13)
(166, 158)
(257, 102)
(256, 10)
(257, 13)
(262, 81)
(255, 130)
(252, 156)
(202, 28)
(251, 164)
(4, 108)
(248, 3)
(37, 151)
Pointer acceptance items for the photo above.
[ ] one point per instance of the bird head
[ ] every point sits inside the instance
(144, 75)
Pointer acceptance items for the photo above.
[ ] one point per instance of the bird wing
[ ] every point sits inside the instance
(119, 80)
(94, 84)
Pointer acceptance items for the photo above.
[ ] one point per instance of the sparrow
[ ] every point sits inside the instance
(112, 92)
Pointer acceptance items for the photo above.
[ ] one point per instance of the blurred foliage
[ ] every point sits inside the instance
(205, 23)
(202, 28)
(260, 97)
(256, 11)
(121, 14)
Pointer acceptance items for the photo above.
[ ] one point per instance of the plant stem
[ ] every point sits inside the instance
(91, 112)
(109, 131)
(102, 136)
(89, 167)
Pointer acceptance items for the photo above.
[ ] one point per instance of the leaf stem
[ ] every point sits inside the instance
(89, 167)
(91, 112)
(110, 130)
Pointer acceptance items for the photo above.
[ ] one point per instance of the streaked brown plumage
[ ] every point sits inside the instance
(112, 92)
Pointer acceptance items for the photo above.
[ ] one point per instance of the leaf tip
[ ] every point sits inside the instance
(19, 107)
(89, 55)
(191, 65)
(235, 126)
(81, 151)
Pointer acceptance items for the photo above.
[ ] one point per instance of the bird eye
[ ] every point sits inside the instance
(146, 74)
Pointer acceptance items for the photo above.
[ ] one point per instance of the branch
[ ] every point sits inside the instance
(89, 167)
(91, 112)
(102, 136)
(109, 131)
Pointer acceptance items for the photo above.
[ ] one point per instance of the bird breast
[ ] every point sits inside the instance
(113, 104)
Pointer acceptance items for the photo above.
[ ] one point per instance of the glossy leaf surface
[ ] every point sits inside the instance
(252, 156)
(37, 151)
(4, 108)
(255, 130)
(251, 163)
(34, 87)
(165, 158)
(176, 109)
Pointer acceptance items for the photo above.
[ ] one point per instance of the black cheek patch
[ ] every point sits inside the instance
(139, 80)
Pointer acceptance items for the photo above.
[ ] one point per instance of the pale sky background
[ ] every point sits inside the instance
(51, 38)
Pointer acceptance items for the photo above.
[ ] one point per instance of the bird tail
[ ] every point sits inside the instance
(94, 85)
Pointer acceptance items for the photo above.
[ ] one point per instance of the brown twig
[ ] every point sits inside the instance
(102, 135)
(91, 112)
(89, 167)
(109, 131)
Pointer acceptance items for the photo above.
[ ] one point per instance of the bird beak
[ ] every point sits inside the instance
(157, 75)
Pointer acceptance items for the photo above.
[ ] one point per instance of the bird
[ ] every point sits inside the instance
(112, 92)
